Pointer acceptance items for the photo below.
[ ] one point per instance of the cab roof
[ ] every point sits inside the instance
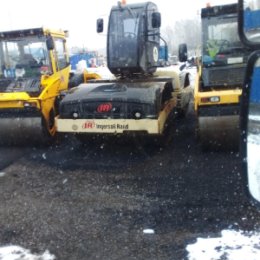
(133, 6)
(219, 10)
(31, 32)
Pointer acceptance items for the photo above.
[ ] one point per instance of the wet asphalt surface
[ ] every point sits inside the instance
(95, 201)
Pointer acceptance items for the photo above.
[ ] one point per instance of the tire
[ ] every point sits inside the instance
(76, 80)
(182, 113)
(165, 138)
(48, 128)
(187, 80)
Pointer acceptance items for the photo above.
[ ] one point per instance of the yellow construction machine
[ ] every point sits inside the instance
(34, 72)
(220, 77)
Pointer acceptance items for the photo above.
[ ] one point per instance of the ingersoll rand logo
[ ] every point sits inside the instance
(89, 125)
(105, 107)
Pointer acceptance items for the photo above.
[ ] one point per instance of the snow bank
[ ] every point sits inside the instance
(104, 72)
(253, 151)
(232, 245)
(18, 253)
(254, 117)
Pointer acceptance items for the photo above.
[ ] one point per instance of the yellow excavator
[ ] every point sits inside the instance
(34, 72)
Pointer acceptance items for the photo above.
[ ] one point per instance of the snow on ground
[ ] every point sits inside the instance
(232, 245)
(253, 151)
(104, 72)
(18, 253)
(254, 117)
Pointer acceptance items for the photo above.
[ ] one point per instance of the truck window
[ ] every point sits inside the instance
(222, 45)
(61, 54)
(27, 55)
(123, 36)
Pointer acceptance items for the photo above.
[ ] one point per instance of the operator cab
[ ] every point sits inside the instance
(23, 54)
(133, 39)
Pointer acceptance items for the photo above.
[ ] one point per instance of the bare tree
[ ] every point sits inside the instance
(183, 31)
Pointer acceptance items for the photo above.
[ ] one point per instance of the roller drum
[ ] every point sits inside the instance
(219, 132)
(20, 130)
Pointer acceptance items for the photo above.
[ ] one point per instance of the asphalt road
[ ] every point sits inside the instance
(95, 201)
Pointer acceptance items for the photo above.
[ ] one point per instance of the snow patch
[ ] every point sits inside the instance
(148, 231)
(254, 117)
(104, 72)
(2, 174)
(253, 150)
(232, 245)
(19, 253)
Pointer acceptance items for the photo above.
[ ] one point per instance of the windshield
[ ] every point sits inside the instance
(122, 41)
(221, 44)
(22, 57)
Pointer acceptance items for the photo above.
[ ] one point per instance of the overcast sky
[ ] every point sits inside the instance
(79, 16)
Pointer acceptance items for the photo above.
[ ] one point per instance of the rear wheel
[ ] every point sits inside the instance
(76, 80)
(49, 128)
(164, 139)
(219, 134)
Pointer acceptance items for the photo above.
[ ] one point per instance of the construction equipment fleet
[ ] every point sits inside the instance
(142, 97)
(34, 71)
(220, 76)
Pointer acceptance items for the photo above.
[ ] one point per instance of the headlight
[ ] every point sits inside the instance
(30, 104)
(214, 99)
(75, 115)
(137, 114)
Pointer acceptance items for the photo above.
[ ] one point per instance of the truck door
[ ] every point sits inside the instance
(153, 38)
(62, 62)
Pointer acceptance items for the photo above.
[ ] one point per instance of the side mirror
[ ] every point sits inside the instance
(183, 52)
(156, 20)
(249, 23)
(249, 32)
(250, 127)
(100, 25)
(50, 43)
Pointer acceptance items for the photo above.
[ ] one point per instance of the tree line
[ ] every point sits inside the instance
(183, 31)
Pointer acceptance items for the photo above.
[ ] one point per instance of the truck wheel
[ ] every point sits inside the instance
(76, 80)
(205, 144)
(187, 81)
(164, 139)
(182, 112)
(204, 139)
(49, 128)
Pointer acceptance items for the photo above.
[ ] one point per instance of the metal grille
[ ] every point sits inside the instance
(120, 110)
(214, 77)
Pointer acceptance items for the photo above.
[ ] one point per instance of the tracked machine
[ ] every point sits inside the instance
(142, 97)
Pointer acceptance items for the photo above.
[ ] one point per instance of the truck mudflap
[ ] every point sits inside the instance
(15, 130)
(219, 132)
